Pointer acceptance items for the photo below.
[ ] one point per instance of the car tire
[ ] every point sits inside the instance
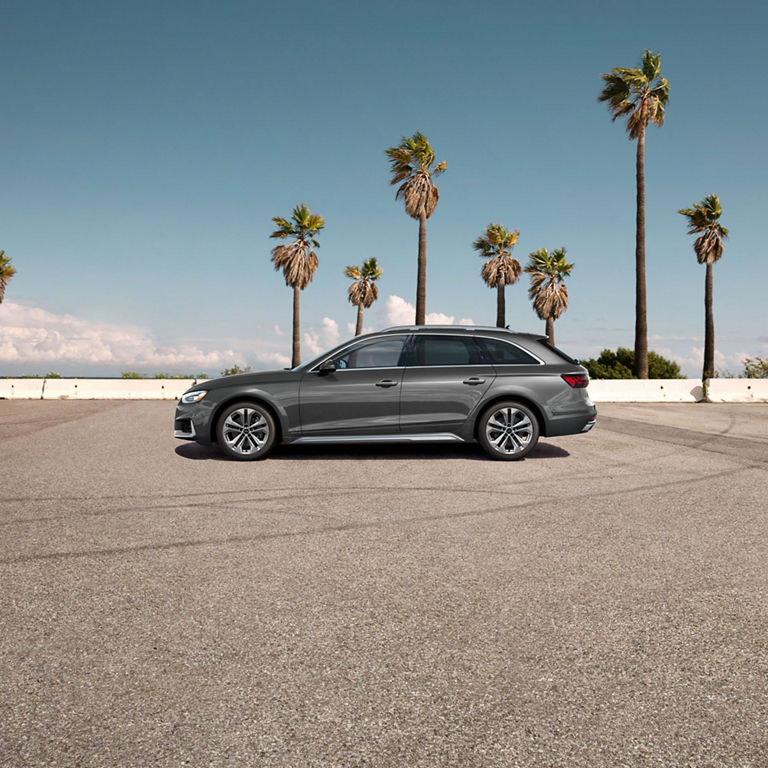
(508, 430)
(246, 431)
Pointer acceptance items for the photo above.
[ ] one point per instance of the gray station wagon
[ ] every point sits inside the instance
(423, 383)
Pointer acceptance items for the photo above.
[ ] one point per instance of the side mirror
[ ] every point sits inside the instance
(327, 367)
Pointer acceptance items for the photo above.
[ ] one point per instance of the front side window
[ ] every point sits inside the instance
(445, 350)
(502, 353)
(378, 353)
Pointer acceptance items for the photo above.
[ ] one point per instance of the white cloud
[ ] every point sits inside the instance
(278, 330)
(399, 312)
(317, 342)
(366, 328)
(34, 336)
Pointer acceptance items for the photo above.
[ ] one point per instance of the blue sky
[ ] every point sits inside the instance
(146, 146)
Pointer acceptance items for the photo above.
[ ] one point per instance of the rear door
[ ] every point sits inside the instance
(445, 378)
(361, 397)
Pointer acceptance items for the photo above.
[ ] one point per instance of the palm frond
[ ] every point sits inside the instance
(412, 165)
(703, 219)
(640, 94)
(7, 271)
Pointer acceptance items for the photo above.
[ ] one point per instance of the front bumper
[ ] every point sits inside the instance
(184, 429)
(192, 421)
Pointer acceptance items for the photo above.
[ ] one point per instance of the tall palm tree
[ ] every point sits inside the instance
(703, 219)
(364, 291)
(501, 269)
(412, 164)
(7, 271)
(297, 260)
(548, 291)
(640, 95)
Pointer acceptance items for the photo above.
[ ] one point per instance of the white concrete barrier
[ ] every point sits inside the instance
(645, 390)
(737, 390)
(21, 389)
(94, 389)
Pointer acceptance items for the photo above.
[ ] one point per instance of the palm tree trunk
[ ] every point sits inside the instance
(296, 357)
(359, 327)
(550, 330)
(501, 306)
(421, 278)
(709, 328)
(641, 311)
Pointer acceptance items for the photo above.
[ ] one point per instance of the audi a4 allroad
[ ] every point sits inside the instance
(424, 383)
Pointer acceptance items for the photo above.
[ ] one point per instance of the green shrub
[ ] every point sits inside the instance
(235, 369)
(619, 364)
(756, 368)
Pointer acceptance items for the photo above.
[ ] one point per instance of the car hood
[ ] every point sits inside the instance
(256, 378)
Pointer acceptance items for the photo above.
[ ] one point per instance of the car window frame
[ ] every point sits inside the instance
(412, 342)
(341, 350)
(537, 359)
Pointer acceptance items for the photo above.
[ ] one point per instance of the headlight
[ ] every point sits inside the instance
(194, 397)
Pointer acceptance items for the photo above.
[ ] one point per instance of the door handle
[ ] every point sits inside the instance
(474, 380)
(386, 383)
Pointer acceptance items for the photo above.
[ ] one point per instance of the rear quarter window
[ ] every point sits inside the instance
(558, 352)
(501, 352)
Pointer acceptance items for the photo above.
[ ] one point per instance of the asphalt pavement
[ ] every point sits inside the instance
(603, 603)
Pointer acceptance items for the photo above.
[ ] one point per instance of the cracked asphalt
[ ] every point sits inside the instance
(602, 603)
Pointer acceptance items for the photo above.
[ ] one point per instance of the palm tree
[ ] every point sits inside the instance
(297, 260)
(641, 95)
(412, 163)
(704, 218)
(501, 269)
(7, 271)
(548, 291)
(364, 291)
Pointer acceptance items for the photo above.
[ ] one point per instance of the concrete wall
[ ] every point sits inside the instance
(645, 391)
(600, 390)
(737, 390)
(94, 389)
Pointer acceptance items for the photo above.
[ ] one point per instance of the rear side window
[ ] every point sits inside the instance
(558, 352)
(445, 350)
(502, 353)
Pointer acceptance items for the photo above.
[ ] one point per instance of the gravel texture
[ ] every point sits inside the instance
(602, 603)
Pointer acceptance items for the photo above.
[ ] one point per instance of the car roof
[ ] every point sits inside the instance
(460, 329)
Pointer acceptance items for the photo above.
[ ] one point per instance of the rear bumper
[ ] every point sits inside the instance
(572, 424)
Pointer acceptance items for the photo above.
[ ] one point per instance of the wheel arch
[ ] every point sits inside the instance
(247, 398)
(519, 398)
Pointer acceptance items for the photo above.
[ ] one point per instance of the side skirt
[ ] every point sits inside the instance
(433, 437)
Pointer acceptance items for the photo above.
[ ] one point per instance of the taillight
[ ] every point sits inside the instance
(576, 380)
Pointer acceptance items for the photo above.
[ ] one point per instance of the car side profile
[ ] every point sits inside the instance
(407, 384)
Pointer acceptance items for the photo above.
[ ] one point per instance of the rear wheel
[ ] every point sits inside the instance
(246, 432)
(508, 431)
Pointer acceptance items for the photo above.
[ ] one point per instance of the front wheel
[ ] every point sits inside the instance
(508, 431)
(246, 432)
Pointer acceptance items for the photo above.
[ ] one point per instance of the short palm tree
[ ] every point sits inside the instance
(297, 260)
(500, 269)
(413, 167)
(364, 291)
(7, 271)
(548, 291)
(703, 219)
(640, 95)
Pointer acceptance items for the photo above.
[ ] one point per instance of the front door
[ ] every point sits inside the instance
(361, 397)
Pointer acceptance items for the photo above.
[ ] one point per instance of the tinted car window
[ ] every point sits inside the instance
(501, 353)
(559, 352)
(380, 353)
(445, 350)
